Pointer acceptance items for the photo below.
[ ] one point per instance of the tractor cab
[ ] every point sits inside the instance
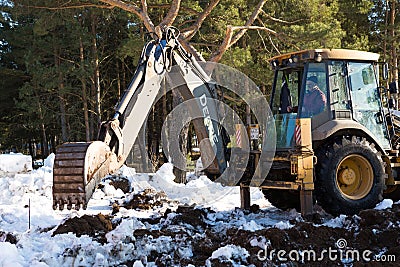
(337, 88)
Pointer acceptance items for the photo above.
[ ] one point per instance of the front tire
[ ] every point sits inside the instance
(283, 199)
(350, 176)
(392, 192)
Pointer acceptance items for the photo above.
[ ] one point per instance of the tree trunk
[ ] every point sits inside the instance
(64, 127)
(31, 150)
(118, 81)
(154, 137)
(53, 144)
(180, 174)
(45, 148)
(164, 110)
(385, 40)
(395, 75)
(393, 54)
(124, 86)
(84, 93)
(96, 74)
(63, 116)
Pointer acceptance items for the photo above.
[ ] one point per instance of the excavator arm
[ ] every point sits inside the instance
(80, 166)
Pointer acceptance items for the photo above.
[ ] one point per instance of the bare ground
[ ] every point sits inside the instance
(373, 232)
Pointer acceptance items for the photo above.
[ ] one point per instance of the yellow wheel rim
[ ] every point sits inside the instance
(354, 177)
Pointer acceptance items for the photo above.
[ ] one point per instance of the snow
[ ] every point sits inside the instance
(9, 256)
(124, 230)
(24, 191)
(201, 191)
(385, 204)
(336, 222)
(15, 163)
(110, 190)
(260, 241)
(234, 254)
(283, 225)
(137, 264)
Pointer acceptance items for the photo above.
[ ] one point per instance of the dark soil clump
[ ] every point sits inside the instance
(92, 225)
(145, 200)
(8, 237)
(121, 183)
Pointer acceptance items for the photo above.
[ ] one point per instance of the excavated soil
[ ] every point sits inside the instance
(376, 232)
(121, 183)
(145, 200)
(8, 237)
(95, 226)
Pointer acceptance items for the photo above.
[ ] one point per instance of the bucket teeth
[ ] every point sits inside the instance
(72, 203)
(78, 168)
(68, 179)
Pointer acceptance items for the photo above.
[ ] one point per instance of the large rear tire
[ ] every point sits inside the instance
(350, 176)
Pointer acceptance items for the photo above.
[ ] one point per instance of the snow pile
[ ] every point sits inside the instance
(15, 187)
(161, 235)
(15, 163)
(49, 162)
(230, 253)
(201, 191)
(124, 230)
(385, 204)
(9, 256)
(18, 190)
(110, 190)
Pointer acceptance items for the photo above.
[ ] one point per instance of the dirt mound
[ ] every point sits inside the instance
(120, 183)
(376, 232)
(372, 235)
(190, 215)
(92, 225)
(145, 200)
(8, 237)
(191, 235)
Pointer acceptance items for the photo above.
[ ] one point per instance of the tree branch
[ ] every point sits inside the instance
(165, 6)
(144, 6)
(133, 8)
(249, 22)
(231, 39)
(280, 20)
(186, 22)
(172, 13)
(188, 47)
(189, 32)
(70, 7)
(204, 44)
(227, 43)
(287, 39)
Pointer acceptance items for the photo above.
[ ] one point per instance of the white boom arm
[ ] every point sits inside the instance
(121, 132)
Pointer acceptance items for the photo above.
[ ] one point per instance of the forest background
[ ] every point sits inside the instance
(64, 64)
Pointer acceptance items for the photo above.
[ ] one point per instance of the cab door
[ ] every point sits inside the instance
(284, 105)
(366, 103)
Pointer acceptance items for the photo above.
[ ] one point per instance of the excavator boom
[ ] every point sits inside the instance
(80, 166)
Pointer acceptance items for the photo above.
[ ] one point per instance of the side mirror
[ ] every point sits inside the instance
(385, 71)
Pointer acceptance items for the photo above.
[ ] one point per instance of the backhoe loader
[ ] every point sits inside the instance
(353, 141)
(334, 142)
